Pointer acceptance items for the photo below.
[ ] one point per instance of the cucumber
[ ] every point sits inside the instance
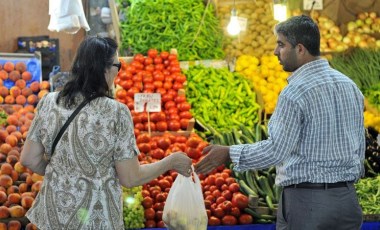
(244, 187)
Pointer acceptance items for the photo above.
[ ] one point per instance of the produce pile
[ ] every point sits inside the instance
(258, 38)
(187, 25)
(372, 154)
(155, 73)
(221, 98)
(267, 76)
(368, 190)
(133, 210)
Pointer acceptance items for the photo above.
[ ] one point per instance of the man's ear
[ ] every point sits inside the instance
(301, 49)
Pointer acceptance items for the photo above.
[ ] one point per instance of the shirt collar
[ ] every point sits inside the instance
(313, 65)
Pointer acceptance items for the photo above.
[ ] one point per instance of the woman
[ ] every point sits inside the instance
(96, 154)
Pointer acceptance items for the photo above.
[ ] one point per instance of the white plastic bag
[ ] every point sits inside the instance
(184, 207)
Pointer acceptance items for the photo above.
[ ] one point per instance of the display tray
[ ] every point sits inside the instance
(32, 62)
(371, 217)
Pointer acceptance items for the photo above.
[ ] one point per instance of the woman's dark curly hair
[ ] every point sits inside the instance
(94, 56)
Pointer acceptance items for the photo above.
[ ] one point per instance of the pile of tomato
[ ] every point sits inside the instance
(155, 73)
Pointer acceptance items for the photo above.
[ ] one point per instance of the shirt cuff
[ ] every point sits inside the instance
(235, 153)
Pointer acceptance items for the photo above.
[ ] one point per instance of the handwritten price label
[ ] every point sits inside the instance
(151, 100)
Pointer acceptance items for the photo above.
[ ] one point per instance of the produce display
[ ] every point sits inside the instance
(372, 154)
(258, 38)
(368, 190)
(190, 26)
(220, 98)
(267, 76)
(155, 73)
(133, 210)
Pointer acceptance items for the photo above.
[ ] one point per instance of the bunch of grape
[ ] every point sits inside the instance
(133, 211)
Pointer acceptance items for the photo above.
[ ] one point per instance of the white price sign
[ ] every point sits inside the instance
(151, 100)
(243, 23)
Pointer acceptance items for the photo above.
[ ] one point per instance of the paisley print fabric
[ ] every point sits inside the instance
(80, 188)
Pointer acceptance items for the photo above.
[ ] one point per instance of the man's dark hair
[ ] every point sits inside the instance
(93, 57)
(301, 30)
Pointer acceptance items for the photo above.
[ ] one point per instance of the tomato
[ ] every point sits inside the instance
(218, 212)
(184, 106)
(227, 194)
(153, 144)
(207, 204)
(126, 84)
(174, 125)
(163, 143)
(159, 206)
(193, 142)
(173, 110)
(150, 224)
(175, 68)
(158, 76)
(137, 78)
(172, 92)
(164, 184)
(184, 123)
(150, 68)
(227, 206)
(162, 116)
(174, 117)
(216, 193)
(180, 98)
(149, 213)
(161, 224)
(161, 91)
(144, 117)
(145, 193)
(152, 53)
(230, 180)
(147, 202)
(149, 86)
(143, 138)
(177, 86)
(147, 78)
(121, 93)
(150, 125)
(169, 104)
(220, 200)
(239, 200)
(234, 187)
(138, 85)
(148, 61)
(159, 216)
(139, 57)
(229, 220)
(201, 146)
(154, 116)
(161, 126)
(225, 175)
(139, 126)
(219, 181)
(245, 219)
(144, 147)
(210, 198)
(160, 197)
(214, 221)
(166, 98)
(136, 132)
(181, 78)
(180, 139)
(235, 211)
(137, 65)
(193, 153)
(167, 85)
(157, 153)
(157, 60)
(172, 57)
(159, 66)
(164, 54)
(158, 84)
(148, 91)
(130, 69)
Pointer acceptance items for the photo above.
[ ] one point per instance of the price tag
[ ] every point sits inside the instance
(243, 23)
(151, 100)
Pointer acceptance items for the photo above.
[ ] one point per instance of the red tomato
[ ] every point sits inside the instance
(150, 68)
(160, 197)
(159, 206)
(184, 106)
(193, 153)
(159, 66)
(143, 138)
(180, 139)
(235, 211)
(158, 84)
(166, 97)
(149, 86)
(181, 78)
(161, 224)
(230, 180)
(227, 194)
(174, 125)
(219, 181)
(184, 123)
(245, 219)
(139, 126)
(149, 214)
(157, 60)
(169, 104)
(144, 147)
(152, 53)
(148, 61)
(227, 206)
(168, 85)
(185, 114)
(163, 183)
(148, 78)
(234, 187)
(147, 202)
(157, 153)
(173, 110)
(239, 200)
(154, 116)
(218, 212)
(172, 57)
(163, 143)
(126, 84)
(164, 55)
(121, 93)
(220, 200)
(229, 220)
(180, 98)
(174, 117)
(150, 125)
(150, 224)
(193, 142)
(161, 91)
(177, 86)
(214, 221)
(161, 126)
(139, 57)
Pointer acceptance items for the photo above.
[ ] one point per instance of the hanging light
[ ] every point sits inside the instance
(279, 10)
(233, 27)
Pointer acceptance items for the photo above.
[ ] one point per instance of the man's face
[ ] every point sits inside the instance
(286, 54)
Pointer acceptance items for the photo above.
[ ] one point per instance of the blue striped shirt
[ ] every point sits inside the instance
(316, 133)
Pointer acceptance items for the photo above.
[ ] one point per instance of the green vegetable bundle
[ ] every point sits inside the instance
(368, 191)
(221, 99)
(187, 25)
(361, 65)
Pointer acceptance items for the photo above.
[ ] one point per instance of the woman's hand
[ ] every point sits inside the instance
(181, 163)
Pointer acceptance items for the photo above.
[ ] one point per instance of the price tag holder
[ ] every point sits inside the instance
(243, 23)
(151, 100)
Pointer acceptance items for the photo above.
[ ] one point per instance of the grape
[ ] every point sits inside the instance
(133, 211)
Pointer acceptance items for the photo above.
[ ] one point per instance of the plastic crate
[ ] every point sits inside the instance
(32, 62)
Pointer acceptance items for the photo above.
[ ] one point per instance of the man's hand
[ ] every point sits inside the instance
(216, 156)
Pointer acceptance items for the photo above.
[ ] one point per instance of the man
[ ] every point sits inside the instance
(316, 137)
